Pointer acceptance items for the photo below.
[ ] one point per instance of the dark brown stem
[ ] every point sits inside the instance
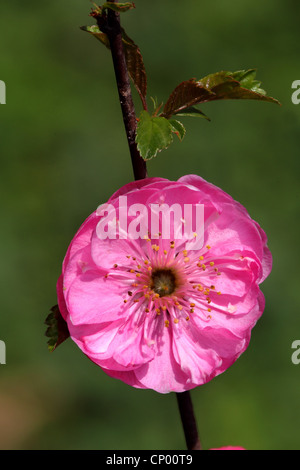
(110, 25)
(188, 421)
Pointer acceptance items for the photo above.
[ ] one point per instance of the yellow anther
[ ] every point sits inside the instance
(192, 310)
(139, 266)
(209, 309)
(128, 256)
(212, 287)
(176, 320)
(187, 318)
(219, 293)
(186, 259)
(184, 252)
(165, 252)
(164, 307)
(146, 261)
(167, 323)
(192, 305)
(201, 258)
(115, 265)
(147, 310)
(208, 247)
(180, 307)
(149, 268)
(132, 271)
(212, 263)
(138, 275)
(125, 301)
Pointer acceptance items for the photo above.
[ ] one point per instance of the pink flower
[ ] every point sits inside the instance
(229, 448)
(152, 313)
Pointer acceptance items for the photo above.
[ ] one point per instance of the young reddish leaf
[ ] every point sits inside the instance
(185, 95)
(178, 128)
(153, 135)
(235, 85)
(57, 330)
(119, 7)
(133, 56)
(136, 68)
(218, 86)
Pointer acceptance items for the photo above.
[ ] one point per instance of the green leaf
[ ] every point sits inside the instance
(95, 31)
(178, 128)
(119, 7)
(57, 330)
(246, 78)
(153, 135)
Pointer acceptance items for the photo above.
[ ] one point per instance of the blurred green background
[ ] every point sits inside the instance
(64, 151)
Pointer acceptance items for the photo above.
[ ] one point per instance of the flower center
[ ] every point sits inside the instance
(163, 282)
